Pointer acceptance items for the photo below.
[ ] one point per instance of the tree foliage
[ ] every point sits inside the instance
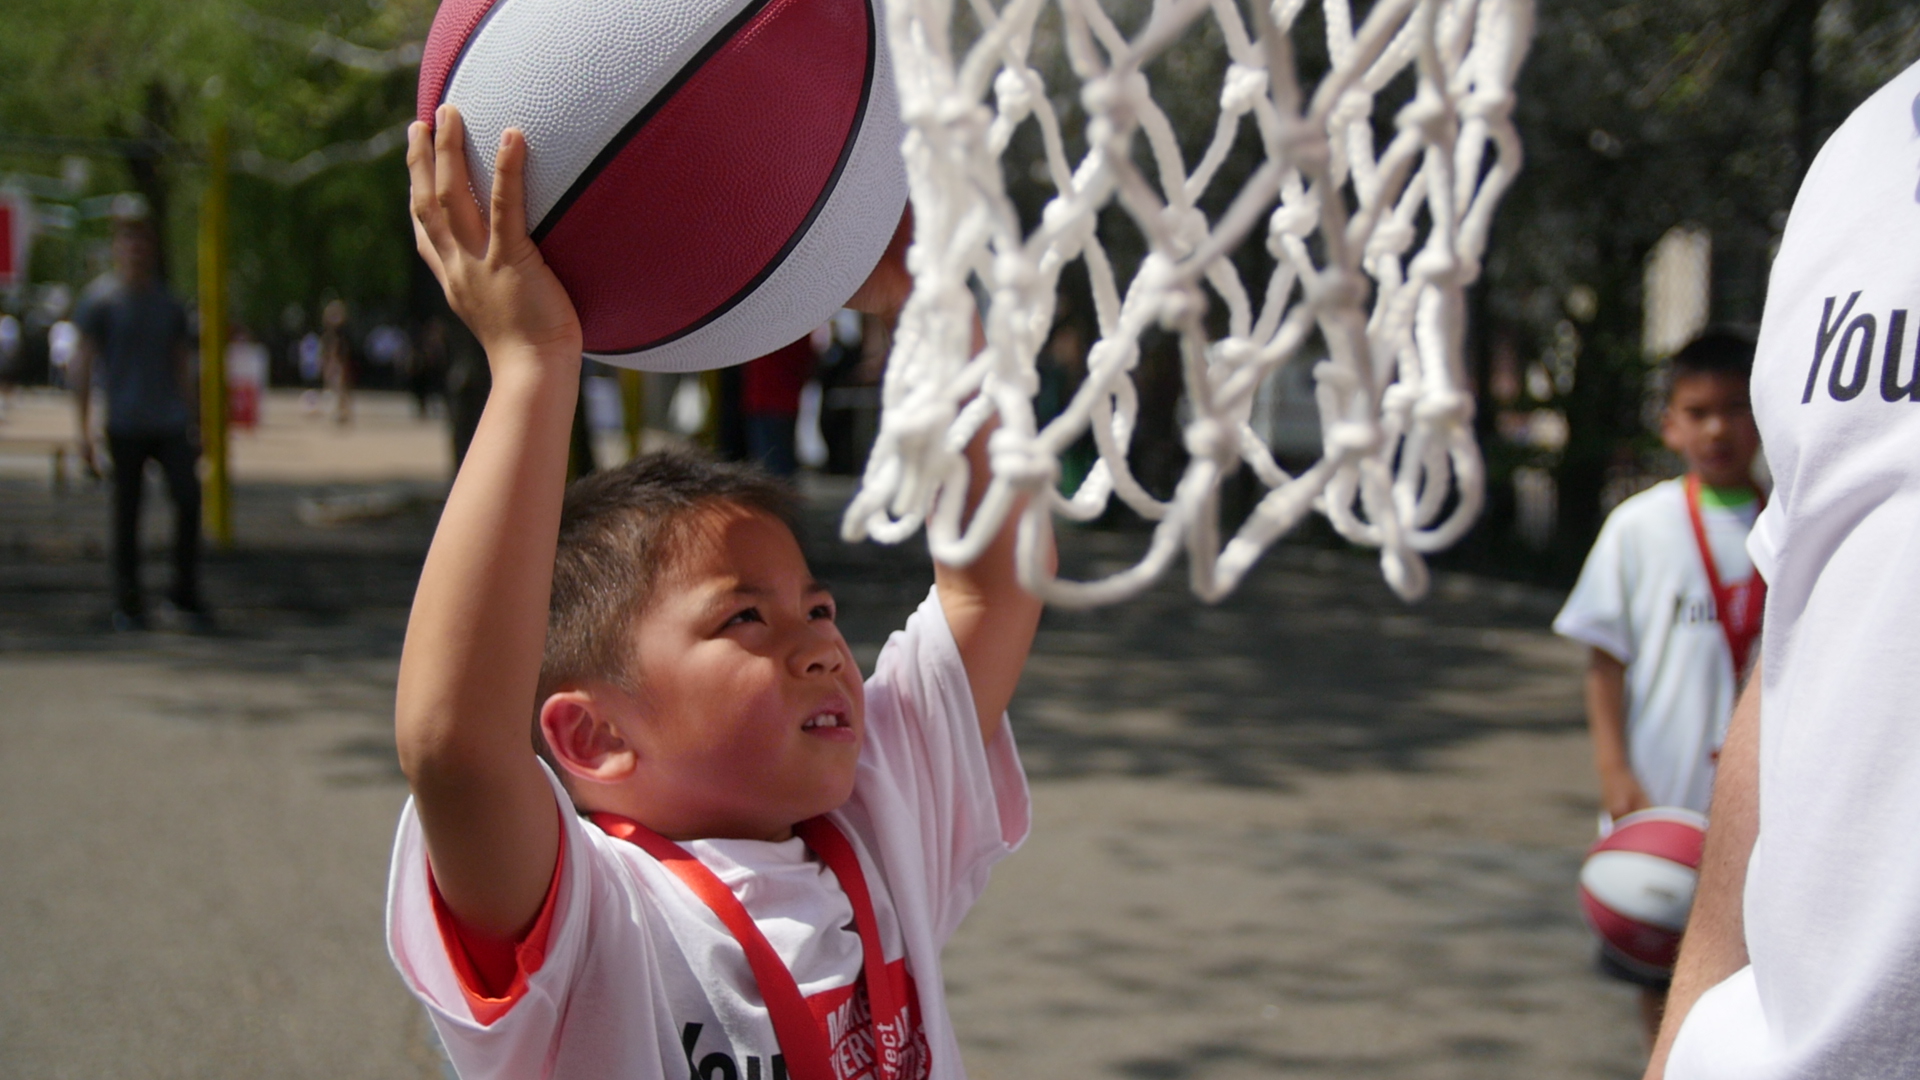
(1639, 116)
(155, 76)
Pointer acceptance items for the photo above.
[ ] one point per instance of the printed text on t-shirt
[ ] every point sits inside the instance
(1856, 340)
(903, 1053)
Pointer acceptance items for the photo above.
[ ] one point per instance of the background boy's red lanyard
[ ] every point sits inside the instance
(1739, 608)
(802, 1035)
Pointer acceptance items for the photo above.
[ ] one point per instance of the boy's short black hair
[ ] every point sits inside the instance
(1718, 351)
(618, 533)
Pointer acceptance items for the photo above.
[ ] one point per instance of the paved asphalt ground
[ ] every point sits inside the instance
(1311, 832)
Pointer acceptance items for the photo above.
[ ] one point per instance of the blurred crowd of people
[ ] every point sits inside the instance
(813, 403)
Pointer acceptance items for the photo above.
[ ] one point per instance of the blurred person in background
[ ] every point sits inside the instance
(307, 358)
(134, 335)
(9, 360)
(387, 346)
(770, 404)
(63, 341)
(426, 371)
(336, 360)
(468, 381)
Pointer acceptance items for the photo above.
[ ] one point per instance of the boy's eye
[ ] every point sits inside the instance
(821, 611)
(749, 615)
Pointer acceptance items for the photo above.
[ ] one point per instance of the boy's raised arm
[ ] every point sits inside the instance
(993, 619)
(470, 667)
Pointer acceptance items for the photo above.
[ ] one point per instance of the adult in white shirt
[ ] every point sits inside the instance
(1802, 958)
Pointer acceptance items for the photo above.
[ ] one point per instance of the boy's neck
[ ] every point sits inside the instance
(1726, 498)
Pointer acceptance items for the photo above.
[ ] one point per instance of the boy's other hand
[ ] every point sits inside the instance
(1621, 795)
(492, 272)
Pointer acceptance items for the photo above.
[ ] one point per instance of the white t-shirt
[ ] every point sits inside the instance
(1832, 907)
(1644, 598)
(640, 978)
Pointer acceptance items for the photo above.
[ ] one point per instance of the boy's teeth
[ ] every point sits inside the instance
(822, 720)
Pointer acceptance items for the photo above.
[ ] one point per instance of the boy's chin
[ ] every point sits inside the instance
(832, 797)
(835, 796)
(1723, 475)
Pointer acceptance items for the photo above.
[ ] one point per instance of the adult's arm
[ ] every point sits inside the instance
(992, 618)
(1715, 945)
(1620, 791)
(80, 376)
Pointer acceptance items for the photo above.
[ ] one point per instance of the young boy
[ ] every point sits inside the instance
(736, 861)
(1670, 606)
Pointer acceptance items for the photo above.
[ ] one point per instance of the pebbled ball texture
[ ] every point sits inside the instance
(710, 179)
(1637, 884)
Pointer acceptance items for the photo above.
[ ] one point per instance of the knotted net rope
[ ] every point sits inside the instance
(1371, 251)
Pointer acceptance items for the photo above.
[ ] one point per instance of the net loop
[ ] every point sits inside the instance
(1371, 248)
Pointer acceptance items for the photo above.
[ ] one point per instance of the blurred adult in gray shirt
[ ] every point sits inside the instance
(134, 338)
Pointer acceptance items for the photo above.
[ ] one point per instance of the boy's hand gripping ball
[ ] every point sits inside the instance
(1636, 886)
(709, 179)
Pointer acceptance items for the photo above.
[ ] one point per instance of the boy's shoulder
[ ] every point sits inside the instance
(1660, 510)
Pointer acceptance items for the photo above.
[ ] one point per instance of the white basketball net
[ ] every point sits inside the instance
(1395, 408)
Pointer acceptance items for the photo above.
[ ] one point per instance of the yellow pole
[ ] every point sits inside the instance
(633, 408)
(218, 499)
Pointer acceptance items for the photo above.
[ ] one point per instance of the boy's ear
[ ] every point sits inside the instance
(1669, 437)
(580, 732)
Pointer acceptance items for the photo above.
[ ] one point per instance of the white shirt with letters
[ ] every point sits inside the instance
(1832, 904)
(640, 979)
(1644, 598)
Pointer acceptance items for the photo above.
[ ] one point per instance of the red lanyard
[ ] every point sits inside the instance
(802, 1035)
(1739, 607)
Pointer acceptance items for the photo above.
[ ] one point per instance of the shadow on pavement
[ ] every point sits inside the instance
(1312, 664)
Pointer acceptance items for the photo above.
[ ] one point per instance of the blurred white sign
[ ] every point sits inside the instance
(1679, 288)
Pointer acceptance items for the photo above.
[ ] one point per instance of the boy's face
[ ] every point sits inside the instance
(1709, 421)
(749, 713)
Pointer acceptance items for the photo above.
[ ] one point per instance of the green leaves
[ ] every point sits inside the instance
(308, 87)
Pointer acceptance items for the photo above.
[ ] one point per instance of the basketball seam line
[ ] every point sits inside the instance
(640, 119)
(632, 129)
(473, 35)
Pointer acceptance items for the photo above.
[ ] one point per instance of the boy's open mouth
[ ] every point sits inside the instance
(831, 714)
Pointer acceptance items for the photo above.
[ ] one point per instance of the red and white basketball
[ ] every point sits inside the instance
(1636, 886)
(710, 179)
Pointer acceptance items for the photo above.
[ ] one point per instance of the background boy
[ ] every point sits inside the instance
(696, 698)
(1669, 604)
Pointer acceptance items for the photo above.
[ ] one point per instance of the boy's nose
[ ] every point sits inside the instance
(818, 652)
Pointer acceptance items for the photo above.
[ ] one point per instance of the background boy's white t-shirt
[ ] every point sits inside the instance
(1644, 598)
(640, 979)
(1832, 908)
